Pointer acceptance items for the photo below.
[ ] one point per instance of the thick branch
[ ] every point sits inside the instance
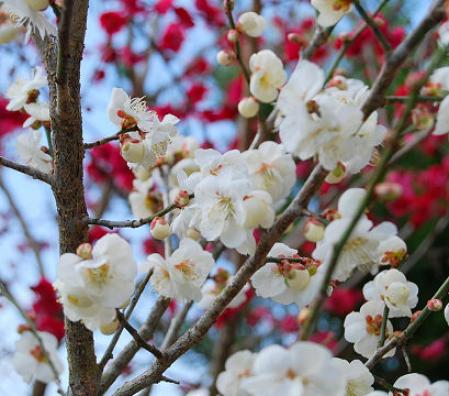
(26, 170)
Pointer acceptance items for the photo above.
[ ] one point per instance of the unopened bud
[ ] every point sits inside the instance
(298, 279)
(303, 316)
(84, 251)
(256, 212)
(133, 151)
(159, 228)
(233, 35)
(38, 5)
(388, 191)
(337, 175)
(225, 58)
(435, 304)
(182, 198)
(110, 328)
(313, 230)
(251, 23)
(422, 118)
(248, 107)
(415, 316)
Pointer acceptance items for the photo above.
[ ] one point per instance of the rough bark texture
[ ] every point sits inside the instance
(65, 112)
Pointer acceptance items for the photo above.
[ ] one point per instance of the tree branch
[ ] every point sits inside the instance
(27, 170)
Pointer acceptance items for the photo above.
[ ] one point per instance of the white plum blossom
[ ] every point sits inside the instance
(363, 328)
(271, 169)
(258, 210)
(23, 92)
(364, 249)
(331, 11)
(182, 275)
(237, 367)
(251, 23)
(248, 107)
(419, 385)
(304, 369)
(91, 286)
(31, 362)
(359, 379)
(288, 282)
(392, 288)
(32, 153)
(267, 75)
(29, 14)
(38, 113)
(327, 123)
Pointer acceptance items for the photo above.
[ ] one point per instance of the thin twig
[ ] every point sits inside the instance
(137, 337)
(27, 170)
(383, 327)
(108, 139)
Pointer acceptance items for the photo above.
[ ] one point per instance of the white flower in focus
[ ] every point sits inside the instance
(22, 92)
(287, 282)
(305, 369)
(267, 75)
(419, 385)
(358, 377)
(38, 112)
(237, 367)
(251, 23)
(183, 273)
(331, 11)
(258, 210)
(248, 107)
(363, 328)
(32, 153)
(129, 113)
(31, 362)
(392, 288)
(222, 212)
(105, 277)
(145, 200)
(29, 14)
(180, 147)
(271, 169)
(160, 135)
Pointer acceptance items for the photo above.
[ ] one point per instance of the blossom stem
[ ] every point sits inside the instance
(373, 25)
(383, 327)
(10, 297)
(132, 223)
(108, 139)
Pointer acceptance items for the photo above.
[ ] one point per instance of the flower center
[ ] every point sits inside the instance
(227, 205)
(32, 96)
(128, 121)
(98, 275)
(291, 374)
(341, 5)
(373, 324)
(38, 354)
(185, 267)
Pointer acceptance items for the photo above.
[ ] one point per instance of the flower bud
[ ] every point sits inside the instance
(257, 212)
(248, 107)
(337, 175)
(251, 23)
(182, 198)
(298, 279)
(314, 230)
(388, 191)
(133, 151)
(38, 5)
(110, 328)
(84, 251)
(159, 228)
(422, 118)
(435, 304)
(397, 294)
(225, 58)
(415, 316)
(233, 35)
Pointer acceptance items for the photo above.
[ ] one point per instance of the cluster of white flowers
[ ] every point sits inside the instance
(23, 96)
(327, 123)
(29, 13)
(96, 281)
(296, 371)
(367, 248)
(234, 193)
(31, 362)
(417, 385)
(147, 137)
